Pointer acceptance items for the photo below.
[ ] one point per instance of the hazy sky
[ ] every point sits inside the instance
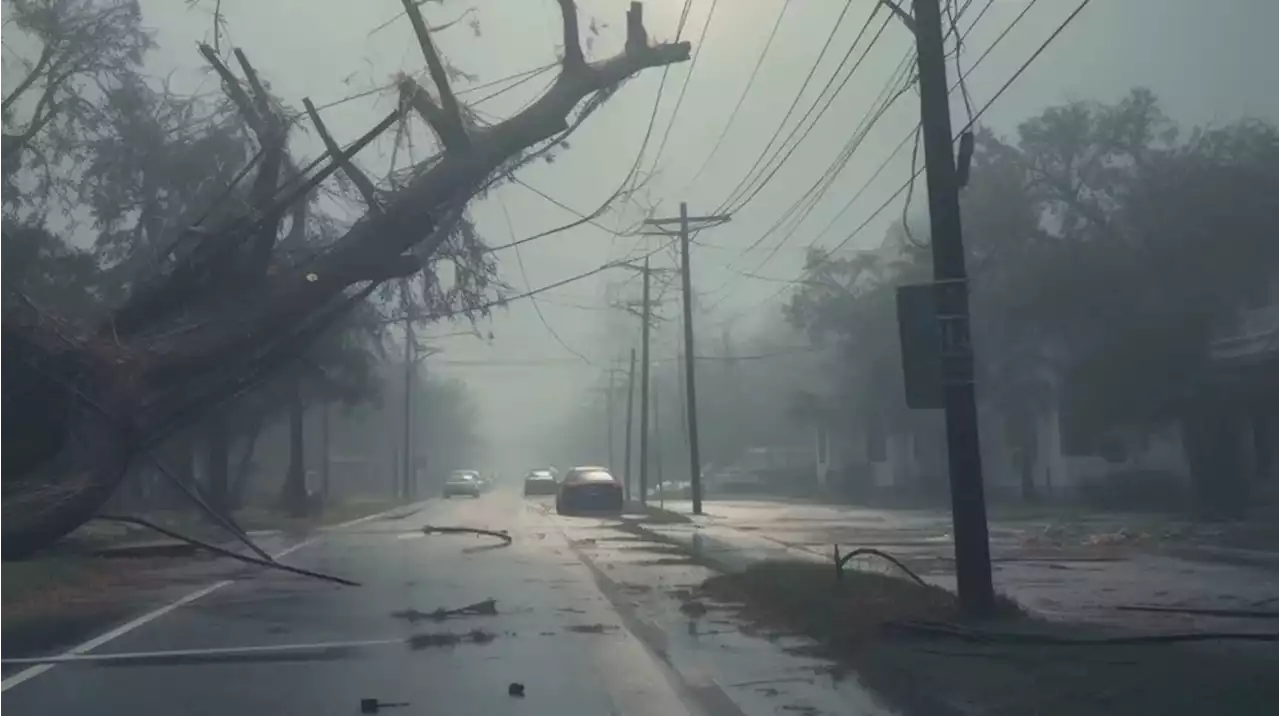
(1207, 61)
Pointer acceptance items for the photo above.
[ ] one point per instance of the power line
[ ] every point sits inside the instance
(540, 362)
(506, 300)
(743, 200)
(904, 67)
(819, 188)
(684, 87)
(860, 134)
(533, 300)
(794, 102)
(777, 23)
(968, 126)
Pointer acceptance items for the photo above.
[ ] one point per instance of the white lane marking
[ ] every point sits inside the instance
(32, 672)
(211, 651)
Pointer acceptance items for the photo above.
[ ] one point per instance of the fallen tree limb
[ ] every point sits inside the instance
(269, 564)
(500, 534)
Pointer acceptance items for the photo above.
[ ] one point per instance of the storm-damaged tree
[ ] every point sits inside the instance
(51, 101)
(229, 309)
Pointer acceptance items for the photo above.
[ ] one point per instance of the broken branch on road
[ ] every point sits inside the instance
(500, 534)
(487, 608)
(270, 564)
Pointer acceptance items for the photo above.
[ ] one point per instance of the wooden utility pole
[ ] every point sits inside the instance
(406, 459)
(646, 321)
(608, 418)
(644, 390)
(690, 392)
(968, 503)
(657, 441)
(324, 453)
(631, 392)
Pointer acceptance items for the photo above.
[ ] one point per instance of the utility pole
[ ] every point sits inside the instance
(657, 441)
(646, 321)
(691, 395)
(324, 452)
(608, 418)
(406, 460)
(644, 391)
(968, 503)
(631, 392)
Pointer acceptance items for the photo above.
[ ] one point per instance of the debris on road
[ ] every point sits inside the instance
(516, 689)
(438, 639)
(373, 706)
(486, 608)
(590, 628)
(500, 534)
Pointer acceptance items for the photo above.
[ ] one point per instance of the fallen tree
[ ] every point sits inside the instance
(230, 309)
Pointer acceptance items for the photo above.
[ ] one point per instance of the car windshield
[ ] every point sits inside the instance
(590, 476)
(540, 475)
(462, 477)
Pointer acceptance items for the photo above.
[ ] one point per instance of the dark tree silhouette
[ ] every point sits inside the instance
(230, 309)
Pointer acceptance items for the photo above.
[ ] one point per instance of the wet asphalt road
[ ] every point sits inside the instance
(556, 632)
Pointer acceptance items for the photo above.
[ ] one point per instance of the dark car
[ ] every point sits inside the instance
(463, 482)
(589, 489)
(540, 482)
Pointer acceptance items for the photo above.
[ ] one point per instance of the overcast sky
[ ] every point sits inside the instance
(1209, 62)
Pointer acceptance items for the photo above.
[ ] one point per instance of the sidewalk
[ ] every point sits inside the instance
(1085, 582)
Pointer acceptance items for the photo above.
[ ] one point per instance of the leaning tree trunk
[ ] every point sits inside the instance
(244, 468)
(293, 495)
(230, 312)
(65, 453)
(218, 447)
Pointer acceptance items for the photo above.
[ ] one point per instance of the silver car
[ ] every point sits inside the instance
(463, 482)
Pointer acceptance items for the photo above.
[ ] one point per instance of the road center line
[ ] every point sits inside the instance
(32, 672)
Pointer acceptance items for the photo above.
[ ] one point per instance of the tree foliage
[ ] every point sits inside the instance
(247, 293)
(1105, 247)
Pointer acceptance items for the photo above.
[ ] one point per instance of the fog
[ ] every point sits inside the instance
(1208, 63)
(534, 368)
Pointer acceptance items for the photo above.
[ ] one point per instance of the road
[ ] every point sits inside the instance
(586, 625)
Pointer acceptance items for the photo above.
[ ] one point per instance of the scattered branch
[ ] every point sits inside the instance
(500, 534)
(269, 564)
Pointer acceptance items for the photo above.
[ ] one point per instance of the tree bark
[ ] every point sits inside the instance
(217, 461)
(324, 453)
(293, 496)
(244, 468)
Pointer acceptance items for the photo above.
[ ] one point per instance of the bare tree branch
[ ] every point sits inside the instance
(235, 91)
(572, 41)
(416, 96)
(261, 98)
(363, 184)
(452, 133)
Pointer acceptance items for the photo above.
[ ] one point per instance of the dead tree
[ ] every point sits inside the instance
(229, 311)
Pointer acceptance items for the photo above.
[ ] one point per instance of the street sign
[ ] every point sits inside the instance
(921, 344)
